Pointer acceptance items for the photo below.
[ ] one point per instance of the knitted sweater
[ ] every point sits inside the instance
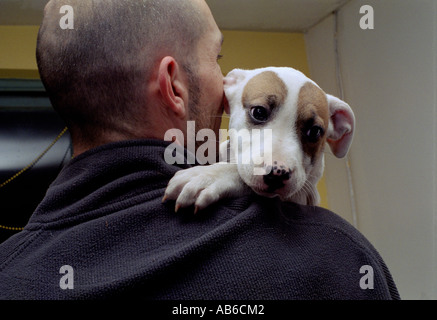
(102, 232)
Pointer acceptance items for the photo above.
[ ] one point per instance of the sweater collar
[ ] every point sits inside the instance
(107, 176)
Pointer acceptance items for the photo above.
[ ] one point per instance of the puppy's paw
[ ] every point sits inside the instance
(202, 186)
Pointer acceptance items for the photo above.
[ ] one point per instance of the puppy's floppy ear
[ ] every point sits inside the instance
(231, 84)
(234, 77)
(341, 126)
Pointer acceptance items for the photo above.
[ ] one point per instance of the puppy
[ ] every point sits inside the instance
(280, 122)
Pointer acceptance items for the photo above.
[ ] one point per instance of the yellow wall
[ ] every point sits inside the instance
(249, 50)
(241, 49)
(17, 52)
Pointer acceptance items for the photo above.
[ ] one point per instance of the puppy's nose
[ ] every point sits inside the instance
(277, 174)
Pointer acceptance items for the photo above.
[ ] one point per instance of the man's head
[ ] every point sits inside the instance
(113, 76)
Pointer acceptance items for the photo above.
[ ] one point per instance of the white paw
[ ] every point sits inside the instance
(202, 185)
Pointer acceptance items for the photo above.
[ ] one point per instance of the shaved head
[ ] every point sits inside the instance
(96, 73)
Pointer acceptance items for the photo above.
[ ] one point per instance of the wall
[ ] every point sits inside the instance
(390, 80)
(248, 50)
(17, 52)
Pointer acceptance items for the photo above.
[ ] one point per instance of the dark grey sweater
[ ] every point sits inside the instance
(103, 218)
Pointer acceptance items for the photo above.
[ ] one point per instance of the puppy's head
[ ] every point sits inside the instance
(280, 123)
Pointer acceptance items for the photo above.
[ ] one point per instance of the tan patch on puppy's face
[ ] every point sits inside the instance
(312, 117)
(265, 89)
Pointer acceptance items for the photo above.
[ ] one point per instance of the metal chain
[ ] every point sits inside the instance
(19, 173)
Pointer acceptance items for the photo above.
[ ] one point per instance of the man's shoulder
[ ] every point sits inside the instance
(312, 224)
(318, 244)
(314, 215)
(325, 221)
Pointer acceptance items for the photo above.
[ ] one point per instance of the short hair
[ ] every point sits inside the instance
(95, 74)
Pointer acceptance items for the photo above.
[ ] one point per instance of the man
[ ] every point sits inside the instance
(127, 73)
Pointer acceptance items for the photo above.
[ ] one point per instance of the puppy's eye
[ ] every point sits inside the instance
(314, 133)
(259, 113)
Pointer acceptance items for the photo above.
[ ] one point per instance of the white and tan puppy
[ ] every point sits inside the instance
(289, 120)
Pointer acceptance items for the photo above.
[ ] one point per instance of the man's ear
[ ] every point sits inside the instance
(173, 86)
(341, 126)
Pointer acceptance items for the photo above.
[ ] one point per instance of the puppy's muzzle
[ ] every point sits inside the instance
(276, 176)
